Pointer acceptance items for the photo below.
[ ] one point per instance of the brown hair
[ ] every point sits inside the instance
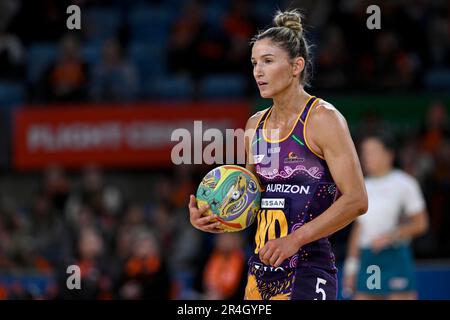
(287, 33)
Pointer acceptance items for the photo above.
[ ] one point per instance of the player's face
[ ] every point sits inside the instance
(375, 157)
(272, 68)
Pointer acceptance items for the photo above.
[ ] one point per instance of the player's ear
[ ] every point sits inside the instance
(298, 66)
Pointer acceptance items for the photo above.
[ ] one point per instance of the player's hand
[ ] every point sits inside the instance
(348, 285)
(276, 251)
(201, 222)
(381, 243)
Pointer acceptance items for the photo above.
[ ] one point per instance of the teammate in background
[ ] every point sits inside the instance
(313, 169)
(381, 237)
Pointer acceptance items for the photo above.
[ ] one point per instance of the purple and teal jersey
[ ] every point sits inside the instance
(297, 187)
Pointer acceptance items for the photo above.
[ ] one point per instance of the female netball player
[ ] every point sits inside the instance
(305, 159)
(381, 237)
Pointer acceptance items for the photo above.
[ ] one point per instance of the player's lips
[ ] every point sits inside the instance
(262, 84)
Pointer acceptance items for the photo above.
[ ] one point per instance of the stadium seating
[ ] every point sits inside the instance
(169, 87)
(148, 57)
(149, 24)
(11, 94)
(101, 24)
(39, 57)
(223, 86)
(438, 79)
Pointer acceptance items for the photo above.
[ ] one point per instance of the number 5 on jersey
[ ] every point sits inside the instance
(319, 289)
(267, 222)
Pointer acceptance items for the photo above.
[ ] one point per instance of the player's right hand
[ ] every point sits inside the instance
(201, 222)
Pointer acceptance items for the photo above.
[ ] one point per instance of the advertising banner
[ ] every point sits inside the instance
(113, 136)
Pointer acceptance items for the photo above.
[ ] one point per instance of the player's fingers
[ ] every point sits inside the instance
(205, 220)
(265, 251)
(265, 254)
(264, 260)
(217, 230)
(191, 202)
(280, 258)
(273, 258)
(193, 210)
(262, 251)
(213, 226)
(203, 209)
(278, 262)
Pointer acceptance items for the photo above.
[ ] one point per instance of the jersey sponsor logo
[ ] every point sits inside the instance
(263, 268)
(258, 158)
(272, 203)
(287, 188)
(293, 158)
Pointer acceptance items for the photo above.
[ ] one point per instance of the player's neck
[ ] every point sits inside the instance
(289, 102)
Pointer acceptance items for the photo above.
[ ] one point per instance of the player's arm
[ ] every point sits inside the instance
(416, 213)
(250, 127)
(416, 225)
(351, 263)
(415, 210)
(331, 139)
(352, 243)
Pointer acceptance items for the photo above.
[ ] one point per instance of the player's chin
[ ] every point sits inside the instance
(264, 93)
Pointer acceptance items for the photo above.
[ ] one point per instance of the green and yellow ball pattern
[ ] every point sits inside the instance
(234, 196)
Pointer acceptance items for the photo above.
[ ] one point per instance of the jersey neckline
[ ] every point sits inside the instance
(292, 128)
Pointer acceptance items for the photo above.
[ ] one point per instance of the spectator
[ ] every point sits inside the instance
(225, 268)
(239, 25)
(333, 60)
(436, 127)
(56, 186)
(183, 38)
(96, 281)
(67, 77)
(114, 78)
(144, 274)
(47, 233)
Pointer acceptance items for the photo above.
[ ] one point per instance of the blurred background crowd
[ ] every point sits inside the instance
(128, 229)
(130, 50)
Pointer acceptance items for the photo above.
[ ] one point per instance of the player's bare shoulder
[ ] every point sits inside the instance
(326, 127)
(254, 119)
(325, 114)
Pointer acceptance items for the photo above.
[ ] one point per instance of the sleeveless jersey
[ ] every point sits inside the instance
(297, 187)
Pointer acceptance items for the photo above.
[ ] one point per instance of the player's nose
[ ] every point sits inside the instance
(257, 69)
(258, 73)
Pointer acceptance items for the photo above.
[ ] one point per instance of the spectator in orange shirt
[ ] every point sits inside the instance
(67, 77)
(144, 274)
(224, 269)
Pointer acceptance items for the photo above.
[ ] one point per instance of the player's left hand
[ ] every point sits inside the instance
(276, 251)
(381, 243)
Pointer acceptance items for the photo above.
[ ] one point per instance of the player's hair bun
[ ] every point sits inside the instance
(289, 19)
